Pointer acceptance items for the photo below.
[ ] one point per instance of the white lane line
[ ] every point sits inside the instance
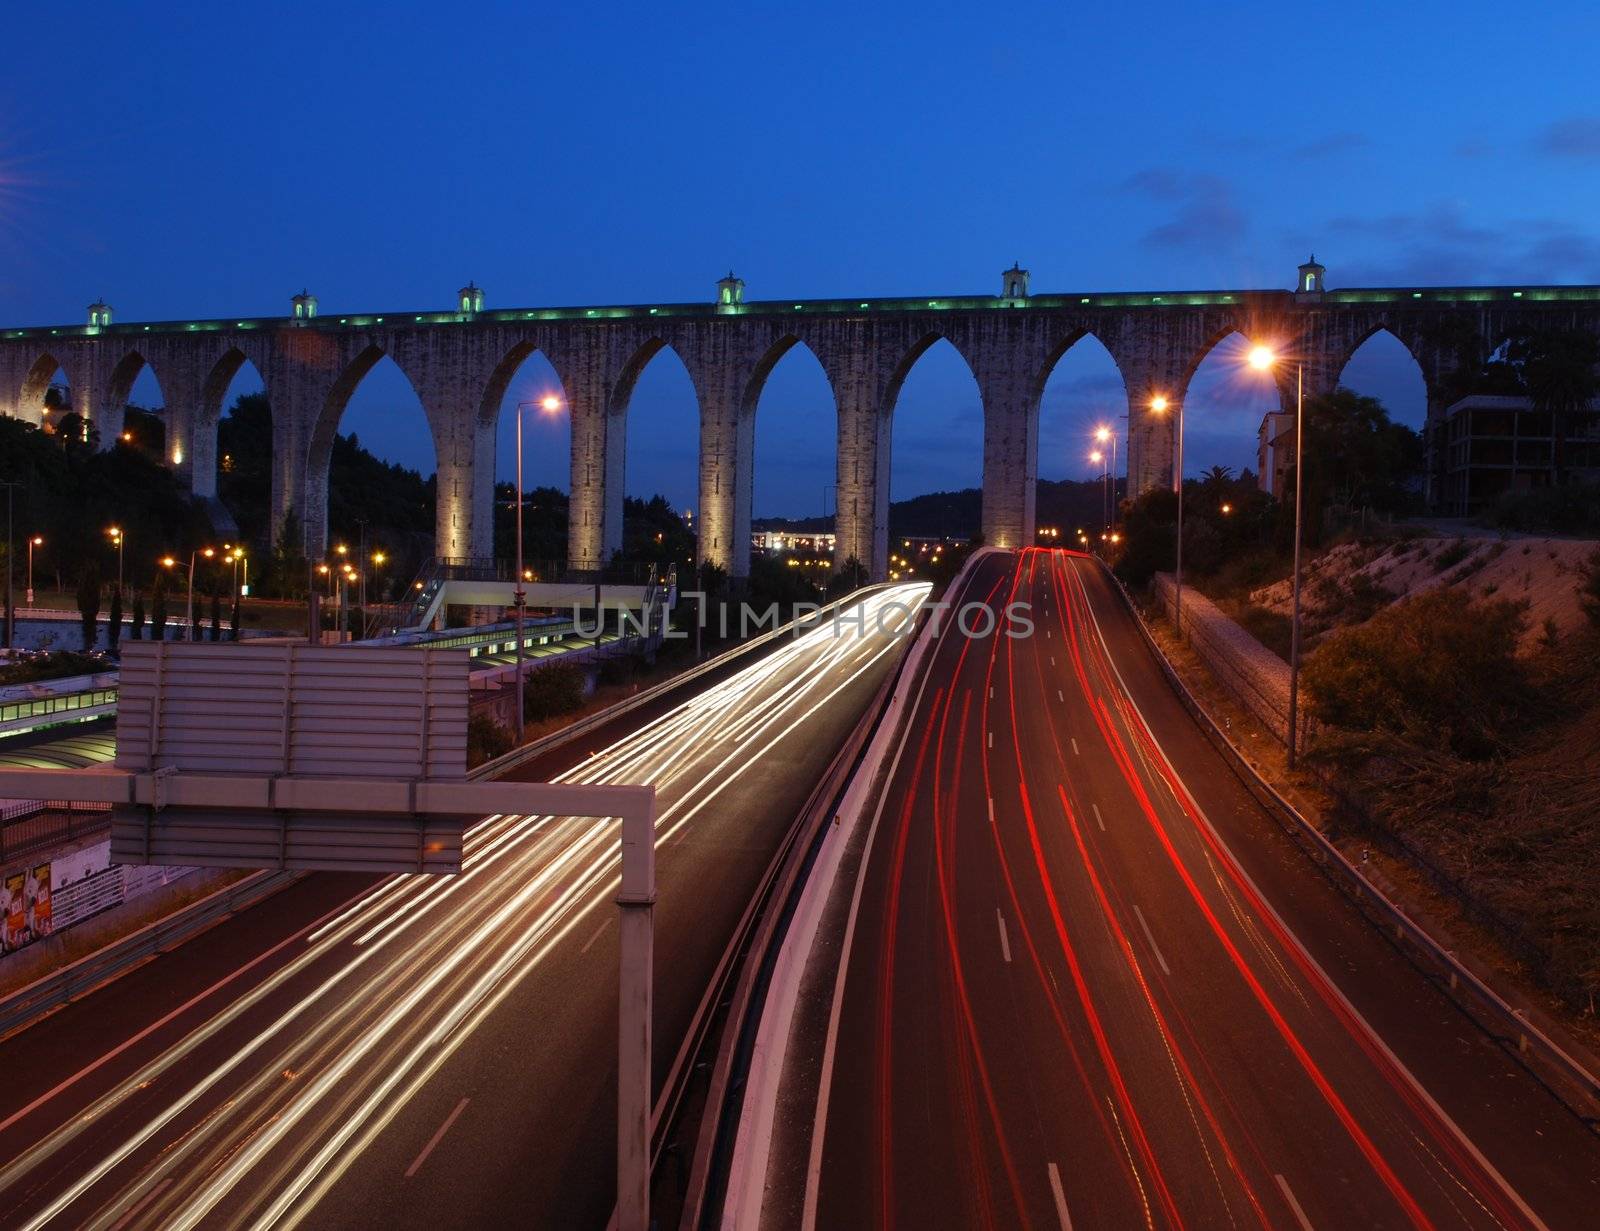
(1366, 1027)
(1288, 1195)
(1061, 1199)
(1097, 819)
(1052, 660)
(991, 809)
(598, 932)
(436, 1138)
(1150, 936)
(140, 1204)
(991, 739)
(1005, 941)
(1060, 697)
(1075, 751)
(991, 692)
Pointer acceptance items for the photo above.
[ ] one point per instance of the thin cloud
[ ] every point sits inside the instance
(1329, 146)
(1577, 137)
(1207, 214)
(1439, 246)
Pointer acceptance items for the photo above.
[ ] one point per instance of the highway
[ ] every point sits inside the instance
(428, 1052)
(1089, 983)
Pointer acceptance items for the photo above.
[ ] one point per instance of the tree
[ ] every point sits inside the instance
(89, 603)
(287, 570)
(136, 625)
(158, 609)
(233, 619)
(114, 621)
(1355, 456)
(216, 616)
(1561, 370)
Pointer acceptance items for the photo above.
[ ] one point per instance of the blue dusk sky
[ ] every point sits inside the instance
(201, 160)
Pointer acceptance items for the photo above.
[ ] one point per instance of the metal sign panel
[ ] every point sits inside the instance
(391, 717)
(340, 711)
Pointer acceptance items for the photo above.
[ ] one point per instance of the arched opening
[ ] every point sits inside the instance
(1228, 406)
(795, 480)
(46, 396)
(936, 460)
(1382, 367)
(1083, 444)
(661, 473)
(529, 379)
(1367, 436)
(135, 409)
(369, 503)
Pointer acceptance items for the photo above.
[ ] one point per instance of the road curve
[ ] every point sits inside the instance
(428, 1051)
(1091, 984)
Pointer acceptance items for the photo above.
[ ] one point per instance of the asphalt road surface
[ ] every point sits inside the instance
(427, 1052)
(1091, 984)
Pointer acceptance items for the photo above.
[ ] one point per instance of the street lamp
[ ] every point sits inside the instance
(36, 540)
(1263, 359)
(550, 404)
(1097, 457)
(117, 537)
(1159, 404)
(168, 561)
(1104, 435)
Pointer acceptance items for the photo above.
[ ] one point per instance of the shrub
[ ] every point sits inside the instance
(486, 739)
(551, 691)
(1452, 555)
(1589, 587)
(1435, 668)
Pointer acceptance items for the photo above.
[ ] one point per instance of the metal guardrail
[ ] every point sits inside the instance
(26, 1005)
(1505, 1024)
(740, 985)
(36, 825)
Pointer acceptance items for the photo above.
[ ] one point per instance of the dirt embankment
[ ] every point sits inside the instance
(1353, 581)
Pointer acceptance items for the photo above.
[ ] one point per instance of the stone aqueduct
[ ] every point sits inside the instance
(461, 362)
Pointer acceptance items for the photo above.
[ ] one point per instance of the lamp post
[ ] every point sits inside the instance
(1263, 359)
(1104, 435)
(1159, 404)
(208, 553)
(35, 540)
(1097, 458)
(549, 403)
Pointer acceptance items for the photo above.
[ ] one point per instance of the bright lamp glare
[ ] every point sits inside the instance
(1261, 358)
(1158, 403)
(1102, 434)
(550, 402)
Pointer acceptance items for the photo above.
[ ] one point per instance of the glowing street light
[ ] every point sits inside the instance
(168, 562)
(1104, 435)
(1264, 359)
(1159, 404)
(117, 538)
(36, 540)
(550, 404)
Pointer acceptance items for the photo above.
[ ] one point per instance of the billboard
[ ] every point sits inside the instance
(26, 902)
